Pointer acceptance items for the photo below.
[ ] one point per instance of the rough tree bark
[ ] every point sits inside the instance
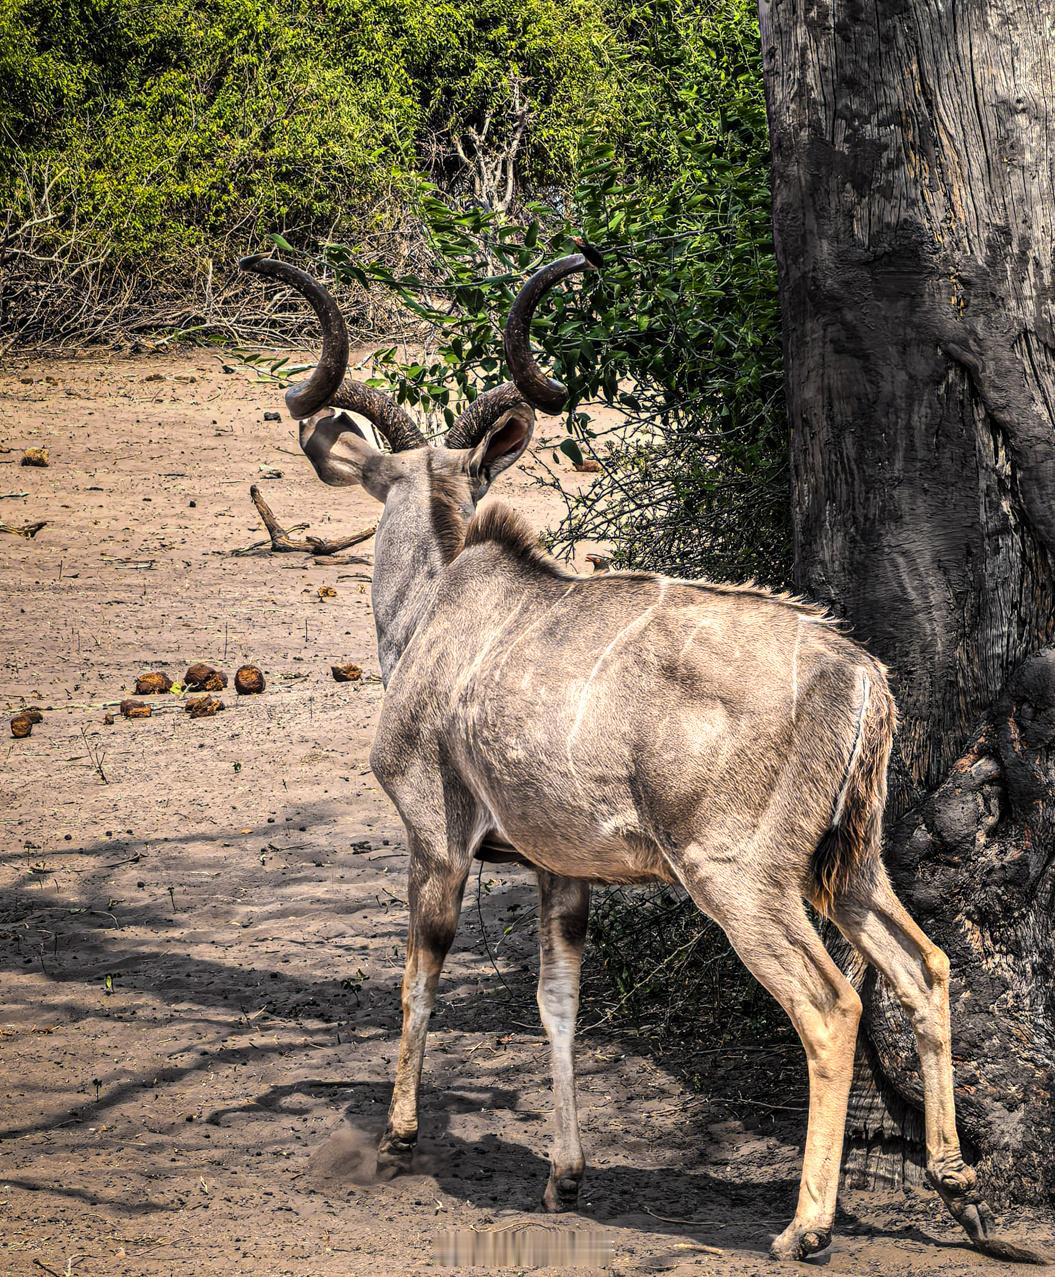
(914, 212)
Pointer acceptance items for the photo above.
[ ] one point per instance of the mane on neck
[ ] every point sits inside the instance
(501, 525)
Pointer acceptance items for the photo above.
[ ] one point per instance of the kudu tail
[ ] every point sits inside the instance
(853, 839)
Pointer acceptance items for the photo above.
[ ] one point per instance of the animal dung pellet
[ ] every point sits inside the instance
(248, 681)
(327, 592)
(153, 684)
(35, 457)
(135, 709)
(346, 673)
(21, 725)
(108, 719)
(272, 416)
(203, 678)
(204, 706)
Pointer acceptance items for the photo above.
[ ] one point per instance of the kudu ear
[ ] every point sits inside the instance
(503, 444)
(335, 446)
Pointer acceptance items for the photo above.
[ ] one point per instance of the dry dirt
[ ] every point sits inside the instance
(202, 953)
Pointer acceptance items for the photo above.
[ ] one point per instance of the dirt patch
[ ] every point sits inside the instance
(202, 922)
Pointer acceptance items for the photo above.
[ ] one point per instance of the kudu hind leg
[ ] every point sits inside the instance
(436, 883)
(564, 908)
(779, 946)
(872, 918)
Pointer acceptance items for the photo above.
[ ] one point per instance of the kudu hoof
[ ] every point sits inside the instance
(956, 1185)
(394, 1156)
(562, 1193)
(800, 1243)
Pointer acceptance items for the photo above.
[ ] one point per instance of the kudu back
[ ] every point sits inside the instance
(627, 727)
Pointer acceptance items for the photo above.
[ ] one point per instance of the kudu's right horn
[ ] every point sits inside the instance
(529, 384)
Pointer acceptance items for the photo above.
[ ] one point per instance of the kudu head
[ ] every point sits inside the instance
(489, 436)
(429, 493)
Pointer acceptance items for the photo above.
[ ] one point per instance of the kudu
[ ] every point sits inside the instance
(619, 728)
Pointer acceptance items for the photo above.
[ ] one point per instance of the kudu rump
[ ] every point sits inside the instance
(626, 727)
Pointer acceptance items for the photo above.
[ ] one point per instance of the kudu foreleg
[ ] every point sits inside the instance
(565, 904)
(435, 886)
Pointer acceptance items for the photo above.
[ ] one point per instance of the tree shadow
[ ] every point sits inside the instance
(484, 998)
(92, 1198)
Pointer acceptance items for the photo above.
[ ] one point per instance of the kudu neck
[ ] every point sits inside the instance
(410, 554)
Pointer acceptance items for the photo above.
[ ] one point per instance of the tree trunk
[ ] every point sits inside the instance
(914, 213)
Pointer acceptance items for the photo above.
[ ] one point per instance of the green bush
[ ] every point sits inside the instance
(144, 147)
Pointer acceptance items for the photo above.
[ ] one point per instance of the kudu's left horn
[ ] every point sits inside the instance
(530, 384)
(328, 385)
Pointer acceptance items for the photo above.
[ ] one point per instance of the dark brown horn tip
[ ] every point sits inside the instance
(594, 256)
(250, 263)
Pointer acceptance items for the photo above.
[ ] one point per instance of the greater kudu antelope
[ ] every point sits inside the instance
(622, 727)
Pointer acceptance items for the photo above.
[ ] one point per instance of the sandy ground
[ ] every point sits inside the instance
(202, 952)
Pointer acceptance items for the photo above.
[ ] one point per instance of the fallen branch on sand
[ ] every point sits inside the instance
(27, 530)
(281, 539)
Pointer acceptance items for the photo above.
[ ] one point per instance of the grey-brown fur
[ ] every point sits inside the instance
(628, 727)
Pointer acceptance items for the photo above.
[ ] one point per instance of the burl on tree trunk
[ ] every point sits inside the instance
(914, 213)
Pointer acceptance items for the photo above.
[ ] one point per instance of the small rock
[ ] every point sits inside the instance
(35, 457)
(203, 678)
(135, 709)
(272, 416)
(327, 592)
(248, 681)
(346, 673)
(108, 719)
(154, 376)
(21, 725)
(588, 466)
(34, 713)
(153, 684)
(204, 706)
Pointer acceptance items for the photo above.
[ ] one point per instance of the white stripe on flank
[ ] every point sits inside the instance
(795, 670)
(706, 620)
(634, 627)
(840, 802)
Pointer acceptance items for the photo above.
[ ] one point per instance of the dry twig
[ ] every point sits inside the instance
(96, 756)
(282, 541)
(27, 530)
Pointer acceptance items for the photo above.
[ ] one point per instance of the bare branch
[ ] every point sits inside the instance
(282, 541)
